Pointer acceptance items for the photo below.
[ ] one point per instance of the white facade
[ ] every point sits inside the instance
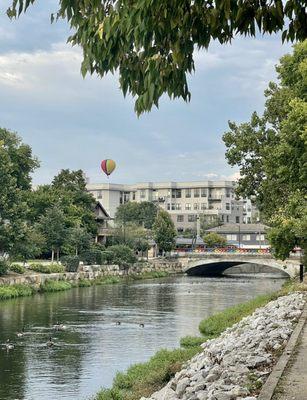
(185, 201)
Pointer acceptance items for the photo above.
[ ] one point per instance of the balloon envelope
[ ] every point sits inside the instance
(108, 166)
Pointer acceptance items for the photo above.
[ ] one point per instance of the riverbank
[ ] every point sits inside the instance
(142, 380)
(55, 285)
(30, 283)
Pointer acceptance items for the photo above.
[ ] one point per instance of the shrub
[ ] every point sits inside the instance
(91, 257)
(107, 257)
(19, 269)
(71, 263)
(123, 254)
(3, 267)
(47, 268)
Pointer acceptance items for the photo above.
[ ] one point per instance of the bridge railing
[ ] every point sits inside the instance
(224, 250)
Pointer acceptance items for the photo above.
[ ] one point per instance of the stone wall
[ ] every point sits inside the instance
(92, 272)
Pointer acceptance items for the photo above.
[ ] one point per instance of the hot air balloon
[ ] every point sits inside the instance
(108, 166)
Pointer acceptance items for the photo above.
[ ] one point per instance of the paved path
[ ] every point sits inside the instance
(293, 383)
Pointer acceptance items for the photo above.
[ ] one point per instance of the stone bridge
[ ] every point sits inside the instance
(211, 264)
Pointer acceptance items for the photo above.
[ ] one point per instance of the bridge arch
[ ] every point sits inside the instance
(214, 267)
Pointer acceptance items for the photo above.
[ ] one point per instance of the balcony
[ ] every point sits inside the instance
(215, 198)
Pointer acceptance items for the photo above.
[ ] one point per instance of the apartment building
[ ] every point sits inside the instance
(185, 201)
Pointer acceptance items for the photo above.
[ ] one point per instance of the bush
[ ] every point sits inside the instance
(107, 257)
(3, 267)
(71, 263)
(123, 254)
(47, 268)
(91, 257)
(19, 269)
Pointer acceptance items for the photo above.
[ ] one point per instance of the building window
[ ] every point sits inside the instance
(196, 192)
(133, 195)
(188, 206)
(246, 237)
(188, 193)
(260, 237)
(227, 218)
(196, 206)
(203, 192)
(99, 194)
(178, 206)
(237, 220)
(180, 218)
(222, 218)
(176, 193)
(173, 206)
(168, 206)
(142, 194)
(231, 237)
(191, 218)
(180, 230)
(203, 206)
(227, 206)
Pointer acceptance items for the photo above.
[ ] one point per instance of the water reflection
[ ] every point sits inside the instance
(87, 355)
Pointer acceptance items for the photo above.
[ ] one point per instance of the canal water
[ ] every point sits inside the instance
(94, 346)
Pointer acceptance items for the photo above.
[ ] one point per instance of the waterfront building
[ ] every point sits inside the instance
(244, 236)
(185, 201)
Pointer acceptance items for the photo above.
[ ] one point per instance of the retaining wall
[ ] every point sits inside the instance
(92, 272)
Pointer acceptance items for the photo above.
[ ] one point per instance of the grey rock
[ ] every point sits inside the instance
(181, 386)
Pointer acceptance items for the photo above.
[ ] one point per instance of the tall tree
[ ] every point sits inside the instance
(76, 202)
(16, 165)
(151, 43)
(164, 231)
(30, 244)
(270, 151)
(52, 226)
(67, 191)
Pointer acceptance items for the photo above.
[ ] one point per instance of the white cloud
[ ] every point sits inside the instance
(52, 75)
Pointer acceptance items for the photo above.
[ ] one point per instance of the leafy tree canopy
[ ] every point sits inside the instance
(164, 231)
(270, 151)
(67, 191)
(213, 239)
(143, 213)
(16, 165)
(151, 43)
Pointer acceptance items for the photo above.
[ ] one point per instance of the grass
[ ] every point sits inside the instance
(54, 286)
(144, 378)
(141, 380)
(13, 291)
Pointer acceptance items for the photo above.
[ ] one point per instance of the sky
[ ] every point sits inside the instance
(74, 123)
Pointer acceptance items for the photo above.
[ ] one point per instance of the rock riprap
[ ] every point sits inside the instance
(239, 361)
